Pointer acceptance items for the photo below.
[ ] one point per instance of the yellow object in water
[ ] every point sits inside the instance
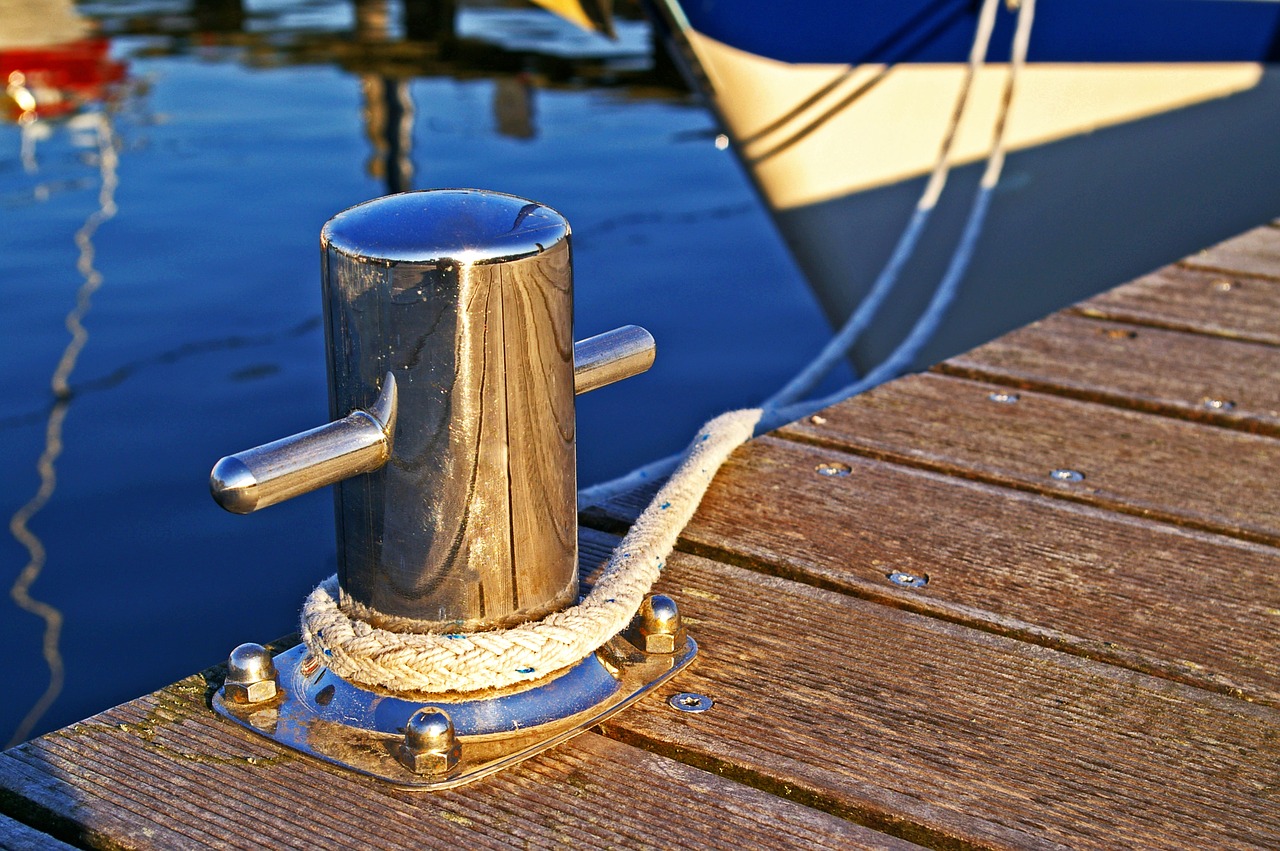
(592, 15)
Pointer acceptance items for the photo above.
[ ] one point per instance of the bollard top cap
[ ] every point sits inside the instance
(467, 226)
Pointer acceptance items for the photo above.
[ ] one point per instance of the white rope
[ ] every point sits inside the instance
(464, 662)
(923, 329)
(839, 345)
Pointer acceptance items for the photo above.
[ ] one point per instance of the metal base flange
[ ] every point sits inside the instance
(318, 713)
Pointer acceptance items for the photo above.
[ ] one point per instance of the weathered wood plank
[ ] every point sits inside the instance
(1158, 467)
(1182, 299)
(165, 772)
(1256, 252)
(1198, 608)
(1210, 379)
(954, 737)
(15, 836)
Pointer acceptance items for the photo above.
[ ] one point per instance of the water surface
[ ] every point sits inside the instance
(177, 223)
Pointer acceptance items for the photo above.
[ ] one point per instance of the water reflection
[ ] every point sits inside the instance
(388, 105)
(20, 592)
(56, 72)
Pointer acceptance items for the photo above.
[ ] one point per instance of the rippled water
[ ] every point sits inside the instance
(174, 228)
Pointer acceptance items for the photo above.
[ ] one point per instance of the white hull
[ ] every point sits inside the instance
(811, 133)
(1114, 169)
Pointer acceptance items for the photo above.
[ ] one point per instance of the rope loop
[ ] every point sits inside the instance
(436, 662)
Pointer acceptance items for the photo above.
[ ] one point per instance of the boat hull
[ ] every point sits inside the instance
(1158, 142)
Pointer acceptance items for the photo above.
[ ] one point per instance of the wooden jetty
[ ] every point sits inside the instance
(1094, 660)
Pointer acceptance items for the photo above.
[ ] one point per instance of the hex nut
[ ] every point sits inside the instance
(249, 692)
(428, 762)
(654, 642)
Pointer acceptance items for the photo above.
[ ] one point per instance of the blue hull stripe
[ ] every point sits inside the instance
(847, 31)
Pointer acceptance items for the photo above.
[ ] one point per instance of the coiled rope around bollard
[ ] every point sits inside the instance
(437, 662)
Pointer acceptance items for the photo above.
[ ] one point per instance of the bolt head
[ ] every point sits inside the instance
(250, 663)
(430, 728)
(659, 615)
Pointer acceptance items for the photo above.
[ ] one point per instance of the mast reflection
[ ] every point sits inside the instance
(53, 72)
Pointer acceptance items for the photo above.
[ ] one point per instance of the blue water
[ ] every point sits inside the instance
(203, 334)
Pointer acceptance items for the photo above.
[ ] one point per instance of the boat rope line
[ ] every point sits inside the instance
(838, 347)
(336, 631)
(20, 591)
(781, 407)
(927, 324)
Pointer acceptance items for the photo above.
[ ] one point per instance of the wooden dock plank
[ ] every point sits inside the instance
(946, 736)
(1198, 608)
(15, 836)
(1166, 469)
(164, 772)
(1256, 252)
(1211, 379)
(1182, 299)
(953, 737)
(145, 774)
(617, 513)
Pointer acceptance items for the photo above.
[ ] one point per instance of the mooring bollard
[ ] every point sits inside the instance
(452, 376)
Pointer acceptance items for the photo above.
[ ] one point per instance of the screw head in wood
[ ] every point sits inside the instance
(687, 701)
(908, 580)
(1065, 475)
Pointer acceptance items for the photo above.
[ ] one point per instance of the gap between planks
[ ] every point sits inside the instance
(1158, 468)
(1070, 577)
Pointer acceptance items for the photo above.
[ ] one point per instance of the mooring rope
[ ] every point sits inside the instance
(780, 408)
(838, 347)
(927, 324)
(783, 402)
(438, 662)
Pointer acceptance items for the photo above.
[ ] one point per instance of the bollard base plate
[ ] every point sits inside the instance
(320, 714)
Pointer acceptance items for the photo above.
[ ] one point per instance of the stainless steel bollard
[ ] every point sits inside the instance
(452, 365)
